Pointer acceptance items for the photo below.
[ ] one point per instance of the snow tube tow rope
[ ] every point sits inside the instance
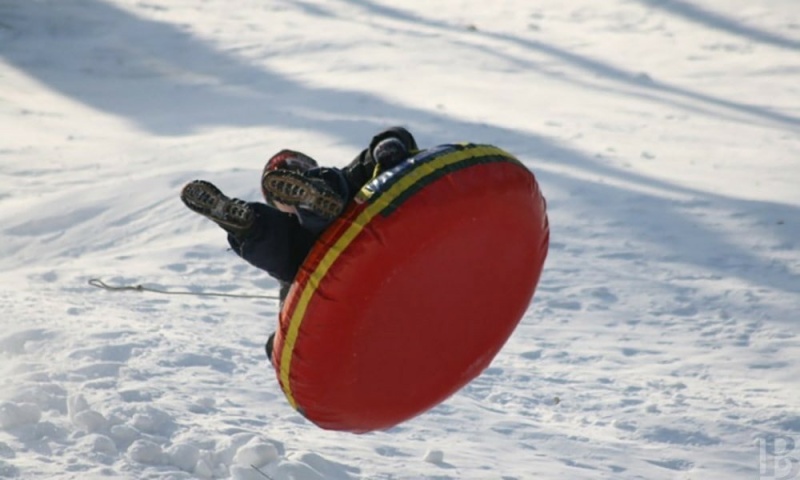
(411, 293)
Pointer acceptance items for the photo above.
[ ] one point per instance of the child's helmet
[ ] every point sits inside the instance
(287, 160)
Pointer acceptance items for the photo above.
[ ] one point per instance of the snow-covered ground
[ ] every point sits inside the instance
(663, 340)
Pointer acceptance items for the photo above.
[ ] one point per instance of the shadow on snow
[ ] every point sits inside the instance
(194, 84)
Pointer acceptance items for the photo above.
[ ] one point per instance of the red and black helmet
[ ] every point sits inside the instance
(287, 160)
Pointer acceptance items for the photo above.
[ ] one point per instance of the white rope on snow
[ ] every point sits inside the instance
(96, 282)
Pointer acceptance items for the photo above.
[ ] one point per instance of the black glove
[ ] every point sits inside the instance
(391, 147)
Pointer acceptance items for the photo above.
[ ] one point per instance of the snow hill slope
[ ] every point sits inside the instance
(663, 340)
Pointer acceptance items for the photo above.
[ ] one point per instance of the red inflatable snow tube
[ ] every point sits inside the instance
(413, 291)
